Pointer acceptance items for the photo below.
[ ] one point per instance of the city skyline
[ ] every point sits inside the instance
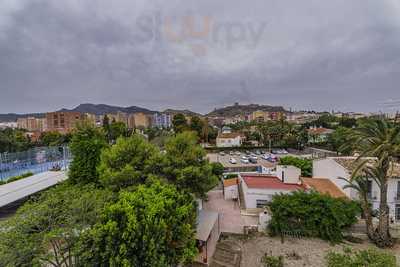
(319, 56)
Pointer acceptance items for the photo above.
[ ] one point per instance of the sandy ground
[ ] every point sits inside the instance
(312, 252)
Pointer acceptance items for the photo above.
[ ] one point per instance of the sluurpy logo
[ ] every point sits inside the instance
(198, 32)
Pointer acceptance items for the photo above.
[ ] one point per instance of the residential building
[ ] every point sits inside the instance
(162, 120)
(118, 117)
(229, 139)
(259, 116)
(63, 122)
(139, 120)
(338, 168)
(318, 134)
(32, 124)
(258, 189)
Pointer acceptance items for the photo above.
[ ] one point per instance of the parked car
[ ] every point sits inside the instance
(244, 157)
(222, 153)
(252, 160)
(237, 153)
(245, 160)
(231, 153)
(258, 152)
(232, 161)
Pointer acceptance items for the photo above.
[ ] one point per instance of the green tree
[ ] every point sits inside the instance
(341, 141)
(312, 214)
(117, 129)
(186, 166)
(179, 123)
(128, 162)
(150, 227)
(44, 231)
(196, 125)
(380, 139)
(304, 164)
(53, 139)
(86, 146)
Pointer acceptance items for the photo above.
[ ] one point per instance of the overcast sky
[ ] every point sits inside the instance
(311, 54)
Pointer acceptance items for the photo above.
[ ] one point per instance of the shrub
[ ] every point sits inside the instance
(272, 261)
(19, 177)
(304, 164)
(312, 215)
(370, 258)
(231, 176)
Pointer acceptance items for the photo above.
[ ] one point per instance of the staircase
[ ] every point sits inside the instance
(227, 254)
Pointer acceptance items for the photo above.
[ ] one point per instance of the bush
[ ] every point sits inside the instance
(370, 258)
(272, 261)
(304, 164)
(19, 177)
(231, 176)
(312, 215)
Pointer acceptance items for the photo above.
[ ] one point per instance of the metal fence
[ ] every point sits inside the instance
(35, 160)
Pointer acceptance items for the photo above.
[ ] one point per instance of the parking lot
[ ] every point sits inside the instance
(224, 159)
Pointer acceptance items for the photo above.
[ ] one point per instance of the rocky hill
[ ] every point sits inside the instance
(102, 109)
(237, 109)
(184, 112)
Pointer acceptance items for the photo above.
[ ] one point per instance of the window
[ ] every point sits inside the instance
(261, 203)
(397, 212)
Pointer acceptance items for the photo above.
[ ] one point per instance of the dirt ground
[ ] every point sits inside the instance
(312, 252)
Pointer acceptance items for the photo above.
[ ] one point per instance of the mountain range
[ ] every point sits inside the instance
(101, 109)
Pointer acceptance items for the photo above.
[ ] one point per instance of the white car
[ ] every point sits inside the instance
(244, 157)
(237, 153)
(232, 161)
(246, 161)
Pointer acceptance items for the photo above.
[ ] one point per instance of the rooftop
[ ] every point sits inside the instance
(268, 182)
(230, 182)
(205, 224)
(323, 186)
(229, 135)
(351, 164)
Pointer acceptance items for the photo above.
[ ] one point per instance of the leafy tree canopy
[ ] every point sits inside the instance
(45, 230)
(128, 162)
(304, 164)
(150, 227)
(86, 146)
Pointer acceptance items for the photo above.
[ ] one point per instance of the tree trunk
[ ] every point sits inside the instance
(368, 218)
(382, 234)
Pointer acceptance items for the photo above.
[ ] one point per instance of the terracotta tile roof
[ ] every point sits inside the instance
(351, 164)
(268, 182)
(323, 186)
(230, 182)
(229, 135)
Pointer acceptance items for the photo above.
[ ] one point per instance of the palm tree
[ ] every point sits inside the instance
(360, 184)
(379, 139)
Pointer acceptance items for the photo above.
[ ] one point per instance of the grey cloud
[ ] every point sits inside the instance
(312, 54)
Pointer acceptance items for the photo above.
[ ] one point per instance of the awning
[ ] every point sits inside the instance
(205, 224)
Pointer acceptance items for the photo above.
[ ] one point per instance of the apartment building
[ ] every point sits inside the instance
(32, 124)
(162, 120)
(139, 120)
(63, 122)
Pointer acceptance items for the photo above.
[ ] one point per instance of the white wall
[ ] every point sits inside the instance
(330, 169)
(291, 174)
(229, 142)
(253, 195)
(231, 192)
